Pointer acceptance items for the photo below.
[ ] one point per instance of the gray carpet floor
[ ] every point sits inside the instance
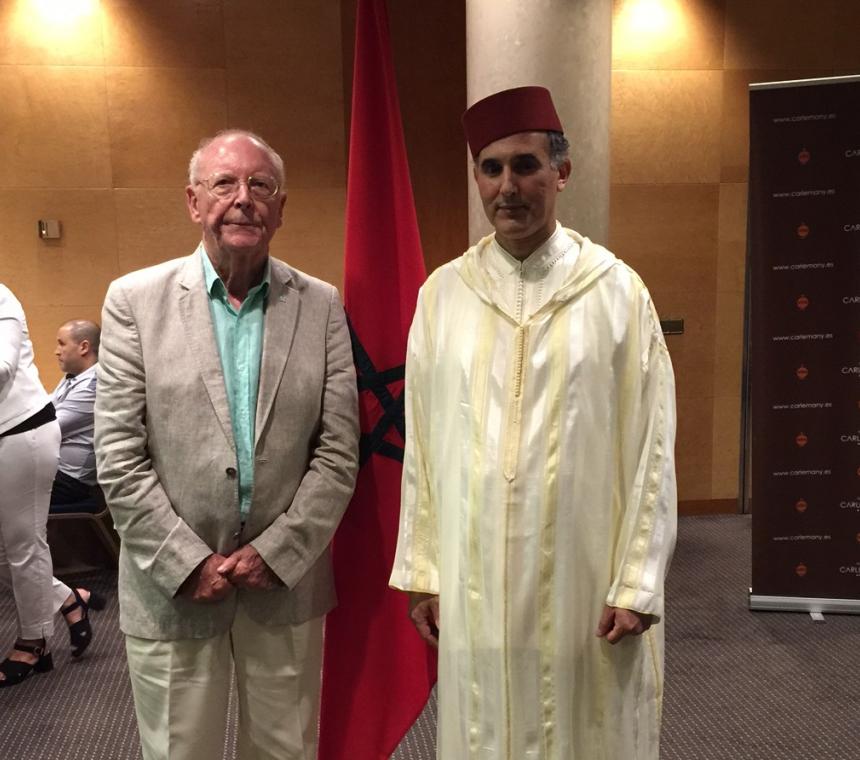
(739, 685)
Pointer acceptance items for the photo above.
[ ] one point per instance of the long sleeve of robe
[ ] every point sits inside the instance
(538, 486)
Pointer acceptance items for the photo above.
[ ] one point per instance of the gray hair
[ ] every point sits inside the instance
(276, 161)
(559, 149)
(82, 330)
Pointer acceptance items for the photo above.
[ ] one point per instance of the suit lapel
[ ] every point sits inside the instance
(282, 311)
(200, 337)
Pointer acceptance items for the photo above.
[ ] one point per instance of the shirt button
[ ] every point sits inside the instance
(231, 472)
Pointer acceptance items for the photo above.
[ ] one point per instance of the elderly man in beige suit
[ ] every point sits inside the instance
(226, 434)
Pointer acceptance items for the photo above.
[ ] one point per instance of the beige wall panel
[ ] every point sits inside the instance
(311, 237)
(281, 85)
(56, 33)
(666, 126)
(733, 212)
(693, 447)
(163, 33)
(731, 267)
(692, 357)
(731, 258)
(432, 99)
(74, 270)
(667, 233)
(299, 110)
(43, 322)
(726, 447)
(688, 35)
(152, 226)
(776, 34)
(273, 34)
(728, 344)
(735, 130)
(20, 245)
(693, 352)
(53, 131)
(157, 118)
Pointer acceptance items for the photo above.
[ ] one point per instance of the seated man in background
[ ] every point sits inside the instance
(77, 353)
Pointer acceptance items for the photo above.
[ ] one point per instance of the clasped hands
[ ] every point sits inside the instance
(216, 576)
(615, 622)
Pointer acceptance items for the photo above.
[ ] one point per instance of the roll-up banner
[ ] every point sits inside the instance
(802, 369)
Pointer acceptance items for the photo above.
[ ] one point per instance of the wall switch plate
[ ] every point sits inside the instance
(672, 326)
(49, 229)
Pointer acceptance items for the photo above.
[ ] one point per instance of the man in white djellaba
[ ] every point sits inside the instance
(539, 502)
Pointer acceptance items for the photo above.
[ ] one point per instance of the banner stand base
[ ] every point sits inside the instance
(804, 604)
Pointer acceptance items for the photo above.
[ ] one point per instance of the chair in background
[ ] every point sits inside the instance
(94, 512)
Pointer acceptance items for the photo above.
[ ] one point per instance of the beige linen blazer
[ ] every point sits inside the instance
(167, 461)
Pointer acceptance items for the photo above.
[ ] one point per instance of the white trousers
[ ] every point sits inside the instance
(181, 690)
(28, 462)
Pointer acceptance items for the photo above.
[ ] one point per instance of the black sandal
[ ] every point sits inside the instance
(16, 671)
(81, 632)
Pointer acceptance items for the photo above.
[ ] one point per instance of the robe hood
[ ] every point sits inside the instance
(593, 262)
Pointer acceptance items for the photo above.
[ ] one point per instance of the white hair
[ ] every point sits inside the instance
(276, 161)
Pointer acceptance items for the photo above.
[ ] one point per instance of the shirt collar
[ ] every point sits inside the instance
(215, 285)
(88, 372)
(538, 261)
(91, 370)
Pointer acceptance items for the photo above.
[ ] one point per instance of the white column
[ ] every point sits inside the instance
(564, 45)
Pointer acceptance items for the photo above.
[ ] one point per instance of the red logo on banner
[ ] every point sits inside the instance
(800, 570)
(801, 440)
(800, 505)
(802, 302)
(802, 373)
(803, 231)
(804, 156)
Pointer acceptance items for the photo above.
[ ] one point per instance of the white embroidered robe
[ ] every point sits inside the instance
(539, 485)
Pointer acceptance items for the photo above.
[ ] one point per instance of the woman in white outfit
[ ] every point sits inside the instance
(29, 452)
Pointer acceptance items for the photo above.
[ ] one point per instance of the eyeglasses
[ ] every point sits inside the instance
(260, 186)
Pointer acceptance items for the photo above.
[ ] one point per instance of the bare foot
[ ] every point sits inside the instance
(17, 655)
(76, 614)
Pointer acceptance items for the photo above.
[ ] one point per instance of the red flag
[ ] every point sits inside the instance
(377, 672)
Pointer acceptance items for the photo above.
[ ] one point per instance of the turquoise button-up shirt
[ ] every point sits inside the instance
(239, 335)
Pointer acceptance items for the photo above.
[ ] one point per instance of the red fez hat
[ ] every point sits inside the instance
(521, 109)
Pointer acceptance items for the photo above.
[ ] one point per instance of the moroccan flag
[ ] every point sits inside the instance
(377, 672)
